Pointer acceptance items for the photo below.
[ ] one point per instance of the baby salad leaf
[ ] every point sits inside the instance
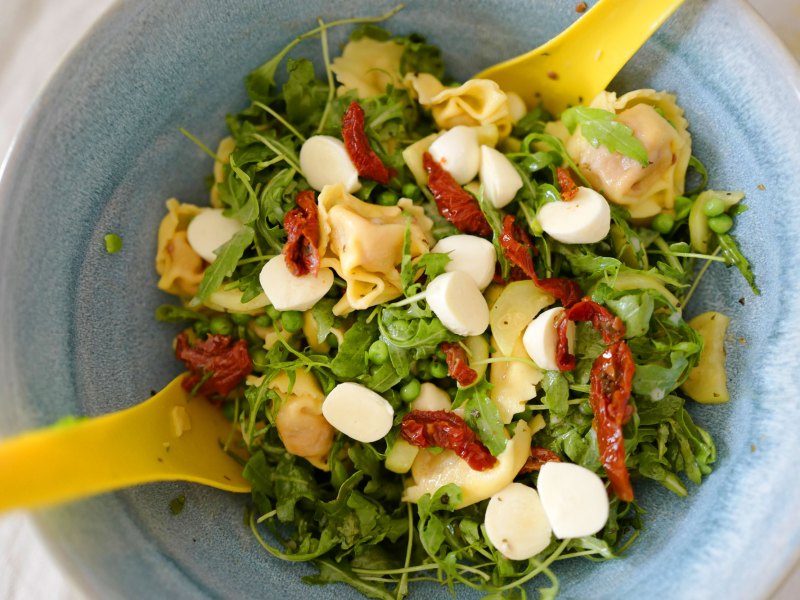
(169, 313)
(228, 256)
(482, 415)
(351, 359)
(304, 94)
(734, 256)
(600, 126)
(333, 572)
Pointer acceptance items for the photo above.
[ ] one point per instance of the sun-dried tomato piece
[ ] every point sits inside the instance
(458, 364)
(538, 457)
(610, 325)
(611, 381)
(217, 362)
(367, 163)
(566, 182)
(519, 249)
(302, 230)
(444, 429)
(564, 359)
(454, 203)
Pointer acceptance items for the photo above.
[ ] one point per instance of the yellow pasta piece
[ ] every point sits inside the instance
(707, 382)
(514, 382)
(180, 268)
(658, 122)
(513, 310)
(475, 102)
(432, 471)
(363, 243)
(368, 66)
(301, 426)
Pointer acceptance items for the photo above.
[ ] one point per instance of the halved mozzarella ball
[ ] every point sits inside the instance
(574, 499)
(516, 106)
(541, 338)
(209, 230)
(458, 303)
(500, 179)
(431, 397)
(458, 151)
(325, 161)
(516, 523)
(585, 219)
(289, 292)
(469, 254)
(358, 412)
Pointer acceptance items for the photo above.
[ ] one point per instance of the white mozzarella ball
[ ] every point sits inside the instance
(574, 499)
(431, 397)
(209, 230)
(458, 303)
(458, 151)
(500, 179)
(585, 219)
(541, 338)
(516, 523)
(324, 161)
(469, 254)
(358, 412)
(516, 106)
(289, 292)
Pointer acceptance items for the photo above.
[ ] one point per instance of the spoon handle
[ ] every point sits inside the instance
(576, 65)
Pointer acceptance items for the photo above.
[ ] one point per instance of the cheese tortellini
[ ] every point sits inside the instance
(363, 243)
(180, 267)
(476, 102)
(301, 426)
(658, 122)
(368, 66)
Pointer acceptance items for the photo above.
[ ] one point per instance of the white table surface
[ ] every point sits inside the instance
(34, 37)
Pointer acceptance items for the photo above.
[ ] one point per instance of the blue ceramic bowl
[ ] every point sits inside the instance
(101, 152)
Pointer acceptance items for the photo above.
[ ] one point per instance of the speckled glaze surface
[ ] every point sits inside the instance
(101, 152)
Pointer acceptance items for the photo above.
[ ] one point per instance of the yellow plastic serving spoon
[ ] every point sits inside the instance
(576, 65)
(171, 436)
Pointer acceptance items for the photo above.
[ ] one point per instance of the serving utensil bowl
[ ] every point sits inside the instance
(101, 152)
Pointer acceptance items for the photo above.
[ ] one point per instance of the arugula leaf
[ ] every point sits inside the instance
(600, 126)
(495, 221)
(228, 256)
(351, 359)
(247, 211)
(323, 315)
(482, 415)
(337, 572)
(734, 256)
(635, 310)
(655, 381)
(556, 393)
(421, 57)
(305, 96)
(169, 313)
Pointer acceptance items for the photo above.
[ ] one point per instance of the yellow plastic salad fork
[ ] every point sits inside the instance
(579, 63)
(171, 436)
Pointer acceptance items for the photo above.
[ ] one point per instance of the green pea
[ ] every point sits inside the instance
(220, 326)
(714, 207)
(378, 352)
(263, 321)
(388, 198)
(439, 370)
(292, 320)
(663, 223)
(259, 358)
(273, 313)
(410, 391)
(200, 329)
(410, 190)
(240, 318)
(332, 340)
(720, 224)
